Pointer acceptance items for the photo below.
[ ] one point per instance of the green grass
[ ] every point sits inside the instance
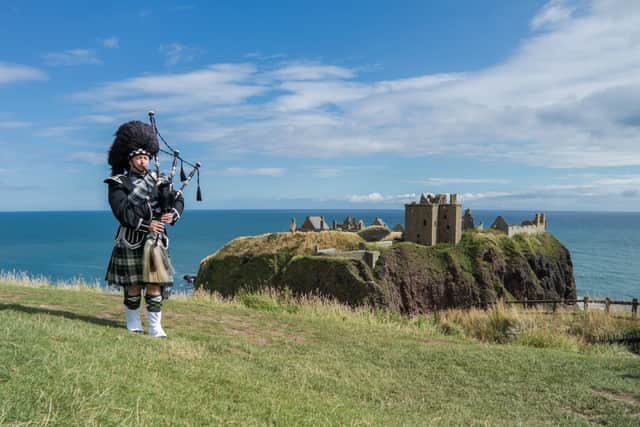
(66, 359)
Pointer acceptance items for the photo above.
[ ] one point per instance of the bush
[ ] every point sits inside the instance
(548, 339)
(267, 302)
(450, 328)
(502, 326)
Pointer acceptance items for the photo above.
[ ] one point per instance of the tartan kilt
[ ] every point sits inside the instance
(125, 266)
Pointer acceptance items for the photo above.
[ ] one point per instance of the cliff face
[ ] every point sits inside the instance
(483, 268)
(408, 278)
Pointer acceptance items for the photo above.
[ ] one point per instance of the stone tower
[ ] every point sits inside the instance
(433, 220)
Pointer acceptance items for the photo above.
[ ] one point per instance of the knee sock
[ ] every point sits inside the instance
(154, 314)
(154, 303)
(132, 304)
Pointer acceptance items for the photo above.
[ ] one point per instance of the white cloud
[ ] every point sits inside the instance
(13, 124)
(447, 181)
(470, 197)
(57, 131)
(553, 13)
(567, 97)
(97, 118)
(238, 171)
(111, 42)
(371, 197)
(263, 57)
(222, 84)
(176, 52)
(89, 157)
(584, 186)
(312, 72)
(327, 172)
(10, 73)
(72, 57)
(380, 198)
(618, 180)
(307, 95)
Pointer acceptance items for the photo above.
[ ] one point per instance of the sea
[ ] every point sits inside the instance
(75, 246)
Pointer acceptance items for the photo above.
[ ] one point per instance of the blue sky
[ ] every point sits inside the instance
(360, 104)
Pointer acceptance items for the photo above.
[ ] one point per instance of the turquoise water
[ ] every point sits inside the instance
(76, 245)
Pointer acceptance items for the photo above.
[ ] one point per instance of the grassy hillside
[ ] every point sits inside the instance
(65, 359)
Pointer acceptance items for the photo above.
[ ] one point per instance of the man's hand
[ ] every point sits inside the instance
(157, 226)
(167, 218)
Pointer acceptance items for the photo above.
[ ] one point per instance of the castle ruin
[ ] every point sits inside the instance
(536, 226)
(319, 223)
(433, 220)
(468, 223)
(314, 223)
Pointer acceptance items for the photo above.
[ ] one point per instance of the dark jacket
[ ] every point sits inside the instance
(135, 218)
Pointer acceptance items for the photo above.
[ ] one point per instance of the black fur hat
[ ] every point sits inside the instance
(131, 138)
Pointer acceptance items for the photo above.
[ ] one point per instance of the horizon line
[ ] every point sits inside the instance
(326, 209)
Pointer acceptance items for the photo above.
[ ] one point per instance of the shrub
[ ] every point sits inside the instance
(547, 339)
(450, 328)
(268, 300)
(502, 325)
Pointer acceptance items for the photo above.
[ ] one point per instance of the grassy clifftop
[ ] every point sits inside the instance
(407, 278)
(293, 243)
(66, 359)
(271, 260)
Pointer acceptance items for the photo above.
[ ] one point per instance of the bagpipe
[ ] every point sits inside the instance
(156, 262)
(167, 194)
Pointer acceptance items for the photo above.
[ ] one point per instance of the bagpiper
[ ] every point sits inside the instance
(140, 260)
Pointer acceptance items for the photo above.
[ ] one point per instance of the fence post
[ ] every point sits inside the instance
(607, 305)
(554, 307)
(634, 308)
(586, 303)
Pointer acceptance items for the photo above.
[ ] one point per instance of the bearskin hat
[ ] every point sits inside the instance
(131, 138)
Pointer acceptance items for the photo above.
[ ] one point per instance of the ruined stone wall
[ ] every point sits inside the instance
(449, 228)
(536, 226)
(467, 221)
(526, 229)
(421, 222)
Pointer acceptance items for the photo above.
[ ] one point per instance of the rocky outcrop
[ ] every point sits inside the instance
(482, 269)
(407, 278)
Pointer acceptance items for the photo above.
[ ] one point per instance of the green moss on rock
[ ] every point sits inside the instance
(347, 280)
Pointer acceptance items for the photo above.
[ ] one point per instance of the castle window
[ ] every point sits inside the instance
(445, 216)
(448, 227)
(425, 222)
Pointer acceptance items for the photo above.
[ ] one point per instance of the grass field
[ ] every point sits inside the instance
(66, 359)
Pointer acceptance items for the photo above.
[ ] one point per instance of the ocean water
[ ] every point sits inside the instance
(76, 245)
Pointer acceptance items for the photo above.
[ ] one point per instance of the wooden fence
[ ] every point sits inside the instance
(585, 302)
